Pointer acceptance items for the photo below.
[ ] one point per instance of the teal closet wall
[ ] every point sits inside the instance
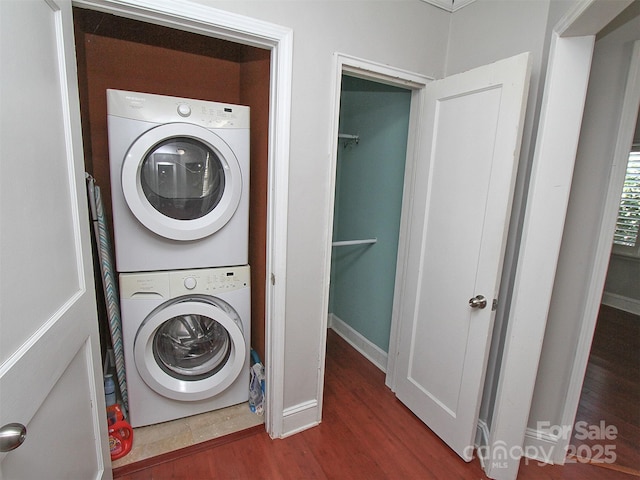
(369, 183)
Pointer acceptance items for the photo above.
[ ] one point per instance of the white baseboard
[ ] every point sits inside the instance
(626, 304)
(543, 447)
(538, 446)
(306, 414)
(300, 417)
(369, 350)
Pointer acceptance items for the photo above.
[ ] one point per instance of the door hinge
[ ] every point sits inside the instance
(273, 279)
(494, 305)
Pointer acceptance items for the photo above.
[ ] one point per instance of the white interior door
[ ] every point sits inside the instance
(459, 221)
(50, 366)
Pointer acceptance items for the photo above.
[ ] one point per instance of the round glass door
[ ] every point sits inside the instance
(182, 178)
(190, 348)
(181, 181)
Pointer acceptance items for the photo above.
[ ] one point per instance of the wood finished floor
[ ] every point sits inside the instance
(611, 389)
(366, 433)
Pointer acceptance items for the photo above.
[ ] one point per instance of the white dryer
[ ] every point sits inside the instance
(179, 182)
(186, 337)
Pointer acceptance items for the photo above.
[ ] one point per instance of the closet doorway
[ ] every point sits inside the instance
(370, 170)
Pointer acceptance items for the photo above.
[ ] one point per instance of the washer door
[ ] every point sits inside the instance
(190, 348)
(181, 181)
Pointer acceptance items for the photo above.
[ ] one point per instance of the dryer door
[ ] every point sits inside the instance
(181, 181)
(191, 348)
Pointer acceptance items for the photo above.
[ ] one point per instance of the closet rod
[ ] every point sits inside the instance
(349, 138)
(344, 243)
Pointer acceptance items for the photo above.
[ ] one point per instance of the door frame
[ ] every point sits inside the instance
(278, 40)
(567, 77)
(607, 222)
(376, 72)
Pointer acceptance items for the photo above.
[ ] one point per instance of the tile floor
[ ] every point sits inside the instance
(165, 437)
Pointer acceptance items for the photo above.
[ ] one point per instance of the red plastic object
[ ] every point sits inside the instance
(120, 433)
(114, 414)
(120, 439)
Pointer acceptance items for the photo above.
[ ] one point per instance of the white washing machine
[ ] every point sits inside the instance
(179, 182)
(186, 337)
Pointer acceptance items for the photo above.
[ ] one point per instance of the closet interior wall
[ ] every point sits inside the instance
(372, 146)
(119, 53)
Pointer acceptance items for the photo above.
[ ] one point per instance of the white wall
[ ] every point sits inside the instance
(415, 36)
(408, 34)
(588, 192)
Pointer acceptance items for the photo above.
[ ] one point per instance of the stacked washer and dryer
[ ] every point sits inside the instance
(180, 196)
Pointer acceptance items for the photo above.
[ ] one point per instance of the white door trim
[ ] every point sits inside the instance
(389, 75)
(195, 18)
(626, 124)
(555, 151)
(542, 234)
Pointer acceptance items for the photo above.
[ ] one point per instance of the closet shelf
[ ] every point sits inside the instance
(345, 243)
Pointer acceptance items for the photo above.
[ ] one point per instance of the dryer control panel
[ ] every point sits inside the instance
(148, 107)
(171, 284)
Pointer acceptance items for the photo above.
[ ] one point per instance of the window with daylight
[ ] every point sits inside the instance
(626, 237)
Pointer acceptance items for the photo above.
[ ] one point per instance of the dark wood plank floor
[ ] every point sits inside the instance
(366, 433)
(611, 389)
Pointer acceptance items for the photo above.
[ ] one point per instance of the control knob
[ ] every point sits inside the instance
(184, 110)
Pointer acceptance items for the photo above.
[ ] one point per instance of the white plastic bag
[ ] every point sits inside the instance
(256, 385)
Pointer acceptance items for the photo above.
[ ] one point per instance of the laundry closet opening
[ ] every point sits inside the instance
(372, 149)
(123, 54)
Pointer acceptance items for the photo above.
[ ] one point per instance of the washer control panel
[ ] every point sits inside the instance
(171, 284)
(190, 283)
(208, 281)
